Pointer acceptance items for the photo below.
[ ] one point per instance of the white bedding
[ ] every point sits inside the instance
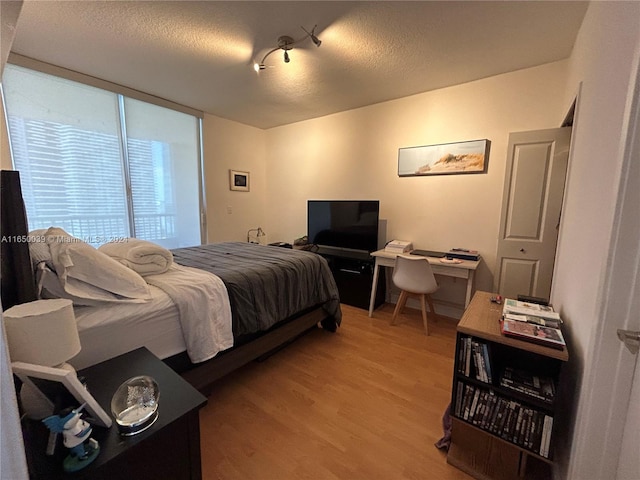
(114, 329)
(194, 315)
(203, 306)
(146, 258)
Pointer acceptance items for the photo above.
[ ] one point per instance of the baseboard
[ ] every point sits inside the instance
(444, 308)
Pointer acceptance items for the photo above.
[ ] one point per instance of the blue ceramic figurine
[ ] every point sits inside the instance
(76, 437)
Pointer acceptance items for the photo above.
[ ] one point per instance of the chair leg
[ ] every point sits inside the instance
(404, 301)
(399, 306)
(423, 307)
(431, 307)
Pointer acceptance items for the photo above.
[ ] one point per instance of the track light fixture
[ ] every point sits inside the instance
(286, 43)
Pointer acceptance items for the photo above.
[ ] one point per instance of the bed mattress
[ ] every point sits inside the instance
(266, 284)
(119, 328)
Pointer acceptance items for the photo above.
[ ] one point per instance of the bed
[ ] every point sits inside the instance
(275, 295)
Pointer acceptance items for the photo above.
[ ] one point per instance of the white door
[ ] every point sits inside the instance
(531, 206)
(628, 246)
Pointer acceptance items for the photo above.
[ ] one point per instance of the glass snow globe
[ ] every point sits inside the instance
(135, 405)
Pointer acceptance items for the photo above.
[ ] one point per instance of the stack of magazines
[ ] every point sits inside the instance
(532, 322)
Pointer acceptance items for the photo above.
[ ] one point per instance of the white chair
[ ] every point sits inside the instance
(414, 276)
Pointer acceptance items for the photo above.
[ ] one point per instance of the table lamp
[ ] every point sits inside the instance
(258, 237)
(42, 332)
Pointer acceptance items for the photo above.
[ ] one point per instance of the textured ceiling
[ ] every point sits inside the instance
(200, 54)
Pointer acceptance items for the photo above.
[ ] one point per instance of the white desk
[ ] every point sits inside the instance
(465, 270)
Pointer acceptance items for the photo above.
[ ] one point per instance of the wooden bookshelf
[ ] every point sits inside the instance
(486, 443)
(481, 319)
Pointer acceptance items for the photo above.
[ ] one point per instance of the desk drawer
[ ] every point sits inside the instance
(450, 271)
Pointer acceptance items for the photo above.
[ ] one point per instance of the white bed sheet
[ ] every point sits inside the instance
(111, 330)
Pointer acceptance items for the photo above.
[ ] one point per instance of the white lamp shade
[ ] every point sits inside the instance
(43, 332)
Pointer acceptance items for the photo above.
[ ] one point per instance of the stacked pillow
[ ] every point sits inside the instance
(71, 268)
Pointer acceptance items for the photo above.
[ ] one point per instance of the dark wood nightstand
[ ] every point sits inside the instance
(170, 448)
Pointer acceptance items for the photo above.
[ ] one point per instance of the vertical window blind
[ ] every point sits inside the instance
(103, 166)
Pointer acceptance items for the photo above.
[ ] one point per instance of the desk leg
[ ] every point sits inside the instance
(374, 287)
(469, 288)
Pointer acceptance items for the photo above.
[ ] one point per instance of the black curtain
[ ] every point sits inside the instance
(17, 279)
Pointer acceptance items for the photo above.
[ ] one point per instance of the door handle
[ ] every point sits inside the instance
(631, 339)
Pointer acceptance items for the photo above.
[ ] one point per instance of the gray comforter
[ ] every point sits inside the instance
(266, 284)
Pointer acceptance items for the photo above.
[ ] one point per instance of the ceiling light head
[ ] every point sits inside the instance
(312, 35)
(286, 43)
(315, 39)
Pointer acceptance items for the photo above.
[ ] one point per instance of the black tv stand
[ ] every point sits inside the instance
(353, 273)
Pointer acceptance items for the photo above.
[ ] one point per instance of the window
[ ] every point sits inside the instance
(101, 165)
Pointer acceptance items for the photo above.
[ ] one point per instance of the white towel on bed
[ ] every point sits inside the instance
(144, 257)
(203, 305)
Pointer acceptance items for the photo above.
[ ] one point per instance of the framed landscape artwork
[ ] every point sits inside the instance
(239, 180)
(444, 159)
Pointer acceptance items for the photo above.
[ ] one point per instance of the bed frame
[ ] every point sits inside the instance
(18, 286)
(203, 375)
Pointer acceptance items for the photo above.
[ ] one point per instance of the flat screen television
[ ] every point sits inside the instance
(351, 224)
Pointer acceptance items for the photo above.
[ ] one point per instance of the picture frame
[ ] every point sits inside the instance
(34, 375)
(444, 159)
(238, 181)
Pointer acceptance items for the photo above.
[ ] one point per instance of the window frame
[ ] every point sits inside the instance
(122, 92)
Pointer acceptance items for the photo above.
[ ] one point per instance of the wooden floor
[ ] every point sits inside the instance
(363, 403)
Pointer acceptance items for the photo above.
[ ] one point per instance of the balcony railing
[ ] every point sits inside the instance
(99, 229)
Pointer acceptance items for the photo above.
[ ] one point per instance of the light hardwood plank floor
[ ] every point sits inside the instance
(365, 402)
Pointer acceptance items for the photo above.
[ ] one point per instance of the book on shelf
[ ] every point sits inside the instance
(490, 413)
(478, 362)
(459, 398)
(545, 441)
(483, 404)
(472, 353)
(517, 307)
(468, 398)
(550, 337)
(487, 362)
(507, 418)
(537, 386)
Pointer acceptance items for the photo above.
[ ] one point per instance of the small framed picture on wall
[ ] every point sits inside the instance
(239, 180)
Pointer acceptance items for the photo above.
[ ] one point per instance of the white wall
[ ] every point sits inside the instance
(603, 59)
(231, 145)
(353, 155)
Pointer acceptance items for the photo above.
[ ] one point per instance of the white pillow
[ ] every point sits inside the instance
(74, 259)
(79, 292)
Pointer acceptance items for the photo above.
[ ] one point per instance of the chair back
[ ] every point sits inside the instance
(414, 275)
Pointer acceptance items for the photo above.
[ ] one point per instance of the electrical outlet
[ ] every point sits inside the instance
(229, 210)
